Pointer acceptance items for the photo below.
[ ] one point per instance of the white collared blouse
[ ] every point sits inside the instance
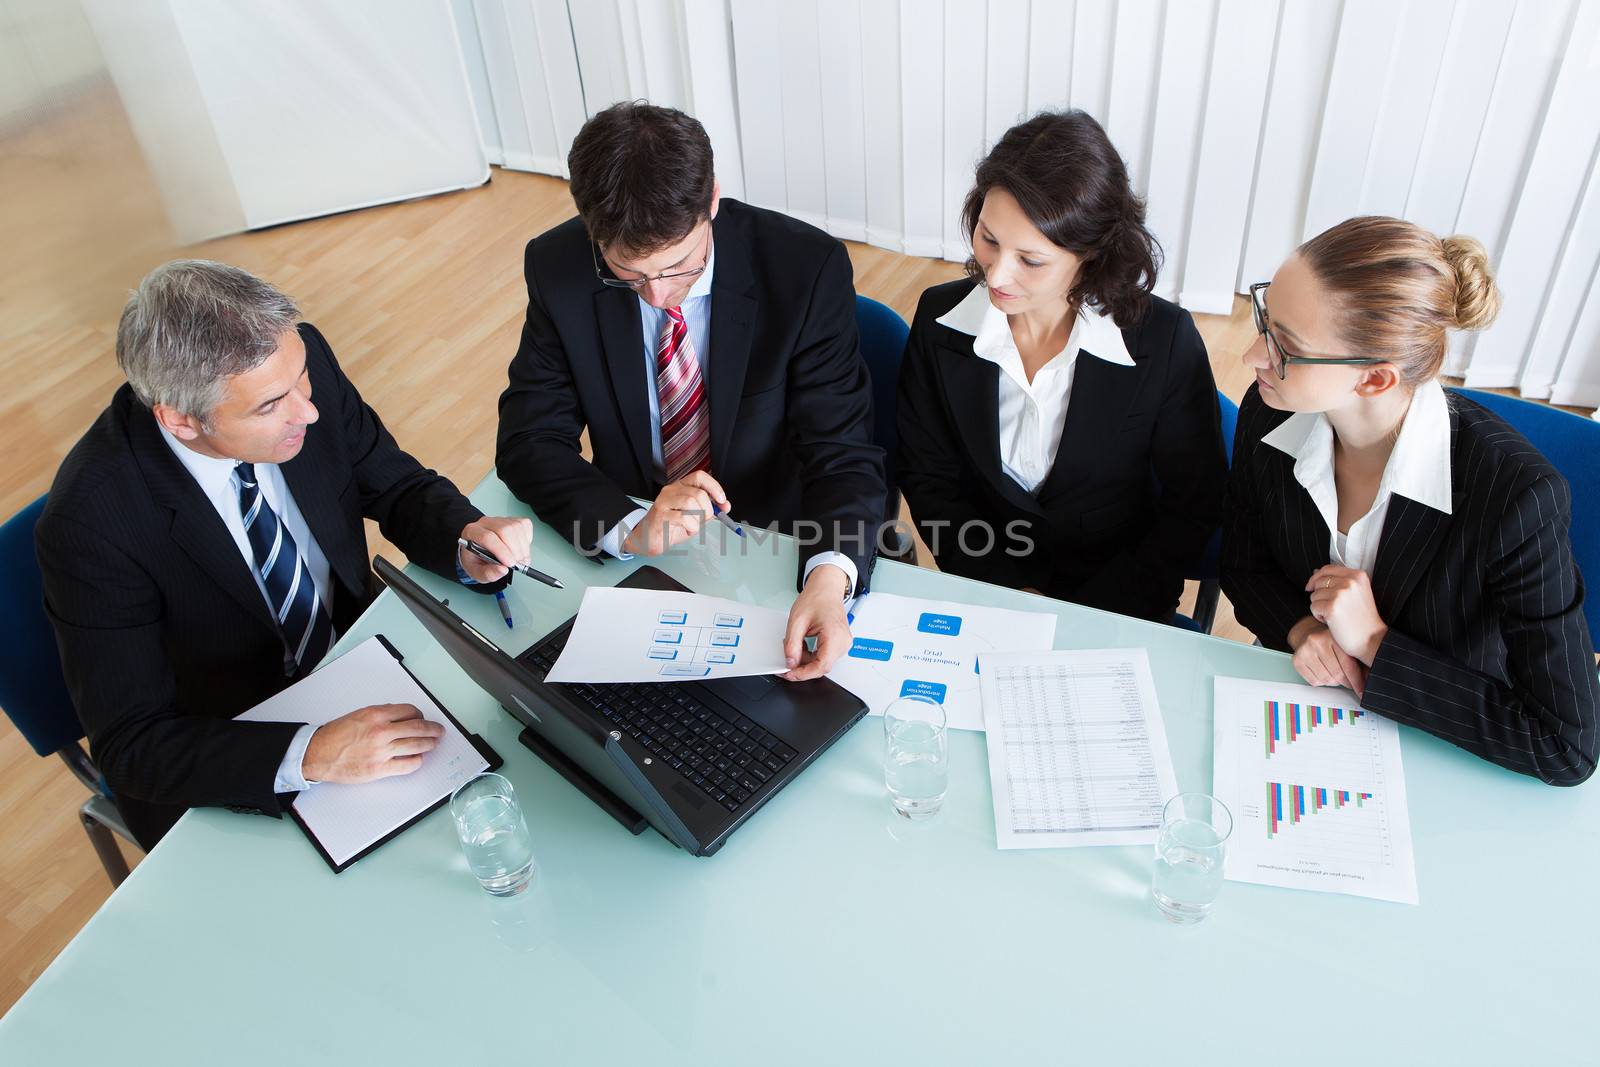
(1418, 469)
(1033, 415)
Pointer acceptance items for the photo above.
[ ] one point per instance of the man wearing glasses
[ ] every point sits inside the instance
(710, 350)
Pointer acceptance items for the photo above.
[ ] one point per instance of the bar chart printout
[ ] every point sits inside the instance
(1077, 749)
(1316, 788)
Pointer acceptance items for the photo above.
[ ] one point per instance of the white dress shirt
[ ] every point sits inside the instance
(1033, 414)
(216, 481)
(1418, 469)
(696, 309)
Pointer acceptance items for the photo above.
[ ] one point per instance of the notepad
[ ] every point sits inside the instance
(347, 821)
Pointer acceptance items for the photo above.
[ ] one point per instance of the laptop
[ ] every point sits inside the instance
(693, 759)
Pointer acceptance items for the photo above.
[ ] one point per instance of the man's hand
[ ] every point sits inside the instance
(817, 612)
(1320, 660)
(511, 541)
(1341, 599)
(677, 515)
(370, 743)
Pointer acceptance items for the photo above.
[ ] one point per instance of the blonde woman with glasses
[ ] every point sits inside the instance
(1399, 540)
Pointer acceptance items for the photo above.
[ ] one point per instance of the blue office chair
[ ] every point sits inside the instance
(33, 693)
(1210, 571)
(1572, 445)
(883, 342)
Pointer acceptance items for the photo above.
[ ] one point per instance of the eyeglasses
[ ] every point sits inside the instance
(1277, 357)
(637, 284)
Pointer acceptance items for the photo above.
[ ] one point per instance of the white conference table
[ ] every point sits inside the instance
(828, 930)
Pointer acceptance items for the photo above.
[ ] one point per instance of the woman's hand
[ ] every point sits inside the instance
(1341, 599)
(1319, 659)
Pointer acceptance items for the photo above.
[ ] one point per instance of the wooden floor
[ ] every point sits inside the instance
(422, 301)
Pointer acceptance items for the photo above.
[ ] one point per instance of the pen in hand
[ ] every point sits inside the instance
(521, 568)
(722, 516)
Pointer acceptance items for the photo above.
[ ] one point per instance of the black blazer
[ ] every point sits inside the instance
(791, 403)
(1136, 489)
(164, 635)
(1487, 645)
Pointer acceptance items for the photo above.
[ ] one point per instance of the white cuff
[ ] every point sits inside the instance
(838, 559)
(291, 778)
(611, 543)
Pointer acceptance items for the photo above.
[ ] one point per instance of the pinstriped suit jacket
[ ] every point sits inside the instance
(1487, 645)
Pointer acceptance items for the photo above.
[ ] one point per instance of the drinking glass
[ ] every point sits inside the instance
(916, 765)
(1189, 854)
(494, 835)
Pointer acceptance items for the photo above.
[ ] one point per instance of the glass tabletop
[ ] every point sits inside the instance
(827, 929)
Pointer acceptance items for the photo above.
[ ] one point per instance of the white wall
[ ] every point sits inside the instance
(252, 115)
(46, 55)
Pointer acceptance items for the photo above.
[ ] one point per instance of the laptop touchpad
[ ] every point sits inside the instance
(754, 687)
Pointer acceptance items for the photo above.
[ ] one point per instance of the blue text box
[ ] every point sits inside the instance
(867, 648)
(684, 670)
(948, 625)
(668, 637)
(673, 618)
(719, 657)
(663, 653)
(725, 640)
(933, 691)
(728, 620)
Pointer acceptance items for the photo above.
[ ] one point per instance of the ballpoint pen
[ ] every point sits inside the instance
(521, 568)
(505, 608)
(722, 516)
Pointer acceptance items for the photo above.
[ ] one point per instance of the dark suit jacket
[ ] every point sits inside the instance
(164, 635)
(1136, 489)
(1487, 645)
(790, 400)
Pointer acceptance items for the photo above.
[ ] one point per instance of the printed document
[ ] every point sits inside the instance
(929, 648)
(647, 635)
(1077, 749)
(1316, 789)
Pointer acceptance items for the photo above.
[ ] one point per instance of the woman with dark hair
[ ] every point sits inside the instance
(1058, 423)
(1399, 540)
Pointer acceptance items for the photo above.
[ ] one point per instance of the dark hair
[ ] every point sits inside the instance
(641, 176)
(1073, 186)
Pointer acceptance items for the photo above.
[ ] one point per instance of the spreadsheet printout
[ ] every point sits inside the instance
(1077, 749)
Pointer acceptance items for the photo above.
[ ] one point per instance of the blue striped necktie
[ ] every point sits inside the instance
(303, 618)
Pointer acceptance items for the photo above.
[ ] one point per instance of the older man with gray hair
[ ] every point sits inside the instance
(203, 547)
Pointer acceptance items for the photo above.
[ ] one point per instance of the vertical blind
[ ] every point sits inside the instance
(1249, 125)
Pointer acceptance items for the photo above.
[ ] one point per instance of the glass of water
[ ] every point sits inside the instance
(1189, 854)
(916, 765)
(494, 835)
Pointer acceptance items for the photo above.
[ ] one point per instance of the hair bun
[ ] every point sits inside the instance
(1477, 298)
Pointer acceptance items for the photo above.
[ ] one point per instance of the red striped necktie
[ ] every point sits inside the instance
(681, 392)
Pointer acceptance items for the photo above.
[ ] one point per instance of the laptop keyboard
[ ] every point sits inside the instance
(727, 758)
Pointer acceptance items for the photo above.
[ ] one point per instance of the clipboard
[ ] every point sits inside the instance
(483, 749)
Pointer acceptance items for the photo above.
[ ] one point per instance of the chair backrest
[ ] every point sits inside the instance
(32, 691)
(1230, 423)
(883, 342)
(1572, 445)
(1210, 563)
